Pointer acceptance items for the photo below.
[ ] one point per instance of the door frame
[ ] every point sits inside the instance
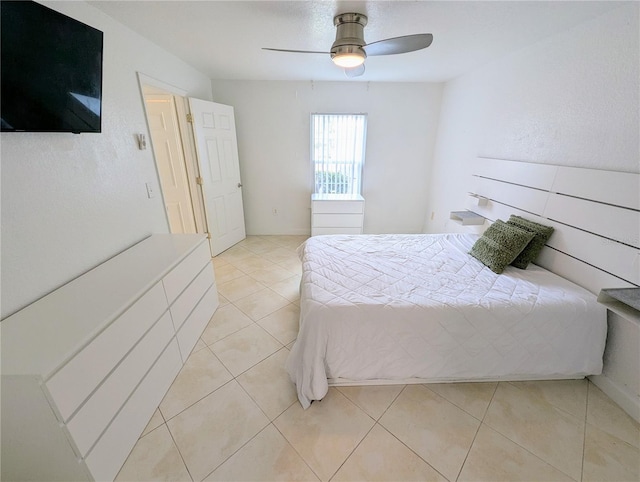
(149, 85)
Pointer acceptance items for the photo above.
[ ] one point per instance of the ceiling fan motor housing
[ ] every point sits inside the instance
(349, 34)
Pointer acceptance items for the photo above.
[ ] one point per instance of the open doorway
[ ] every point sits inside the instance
(196, 154)
(174, 154)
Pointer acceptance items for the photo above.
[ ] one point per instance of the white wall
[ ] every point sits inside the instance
(272, 120)
(571, 100)
(71, 201)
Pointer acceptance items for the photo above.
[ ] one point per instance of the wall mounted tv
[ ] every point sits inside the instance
(51, 71)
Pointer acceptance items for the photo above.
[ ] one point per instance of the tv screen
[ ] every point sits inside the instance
(51, 71)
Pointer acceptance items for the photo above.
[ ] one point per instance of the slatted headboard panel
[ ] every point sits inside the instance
(596, 216)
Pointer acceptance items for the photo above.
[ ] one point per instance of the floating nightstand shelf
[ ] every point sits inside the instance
(466, 218)
(478, 200)
(623, 301)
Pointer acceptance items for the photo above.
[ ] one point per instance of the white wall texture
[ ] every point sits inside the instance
(572, 99)
(272, 120)
(71, 201)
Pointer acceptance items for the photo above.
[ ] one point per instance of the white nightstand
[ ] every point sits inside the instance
(336, 214)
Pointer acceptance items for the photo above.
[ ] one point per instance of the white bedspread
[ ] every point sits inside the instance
(399, 307)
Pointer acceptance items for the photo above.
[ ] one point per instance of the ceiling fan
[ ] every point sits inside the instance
(349, 50)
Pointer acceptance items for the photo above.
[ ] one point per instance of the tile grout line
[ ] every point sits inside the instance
(235, 379)
(167, 425)
(392, 402)
(472, 441)
(486, 410)
(468, 452)
(530, 452)
(164, 422)
(390, 405)
(525, 448)
(413, 451)
(253, 399)
(561, 409)
(427, 386)
(199, 400)
(358, 444)
(175, 444)
(291, 445)
(238, 450)
(402, 442)
(263, 287)
(228, 335)
(338, 387)
(270, 313)
(477, 431)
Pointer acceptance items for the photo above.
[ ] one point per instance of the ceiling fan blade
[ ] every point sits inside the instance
(296, 51)
(399, 45)
(354, 71)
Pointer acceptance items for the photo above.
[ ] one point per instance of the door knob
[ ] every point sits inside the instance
(239, 184)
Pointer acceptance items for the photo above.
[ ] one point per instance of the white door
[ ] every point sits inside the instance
(167, 148)
(214, 129)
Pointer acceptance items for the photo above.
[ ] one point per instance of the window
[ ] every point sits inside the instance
(337, 152)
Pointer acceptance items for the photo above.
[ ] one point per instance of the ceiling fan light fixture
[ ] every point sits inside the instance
(349, 50)
(348, 56)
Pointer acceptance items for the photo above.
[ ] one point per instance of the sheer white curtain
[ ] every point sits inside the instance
(337, 152)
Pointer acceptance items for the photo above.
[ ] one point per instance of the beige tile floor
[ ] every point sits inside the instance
(232, 412)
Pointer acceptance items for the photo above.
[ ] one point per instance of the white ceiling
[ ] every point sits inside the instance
(223, 39)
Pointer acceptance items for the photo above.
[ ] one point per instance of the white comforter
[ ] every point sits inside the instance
(401, 307)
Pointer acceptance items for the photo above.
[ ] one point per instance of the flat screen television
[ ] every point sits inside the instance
(51, 71)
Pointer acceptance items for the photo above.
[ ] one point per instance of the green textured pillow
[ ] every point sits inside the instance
(499, 245)
(541, 235)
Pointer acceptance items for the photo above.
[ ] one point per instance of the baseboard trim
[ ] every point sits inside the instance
(285, 232)
(627, 402)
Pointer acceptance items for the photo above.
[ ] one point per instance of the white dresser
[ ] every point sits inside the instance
(85, 367)
(336, 214)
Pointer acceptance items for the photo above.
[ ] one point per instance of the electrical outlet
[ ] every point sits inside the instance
(151, 192)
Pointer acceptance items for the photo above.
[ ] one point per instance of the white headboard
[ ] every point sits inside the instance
(596, 216)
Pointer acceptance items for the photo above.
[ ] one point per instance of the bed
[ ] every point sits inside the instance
(378, 309)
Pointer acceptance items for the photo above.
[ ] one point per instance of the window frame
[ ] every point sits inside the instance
(360, 175)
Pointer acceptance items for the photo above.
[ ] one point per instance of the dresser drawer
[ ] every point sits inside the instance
(337, 207)
(107, 456)
(197, 321)
(320, 231)
(90, 421)
(75, 381)
(178, 279)
(189, 298)
(337, 220)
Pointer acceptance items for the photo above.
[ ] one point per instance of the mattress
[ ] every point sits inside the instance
(393, 308)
